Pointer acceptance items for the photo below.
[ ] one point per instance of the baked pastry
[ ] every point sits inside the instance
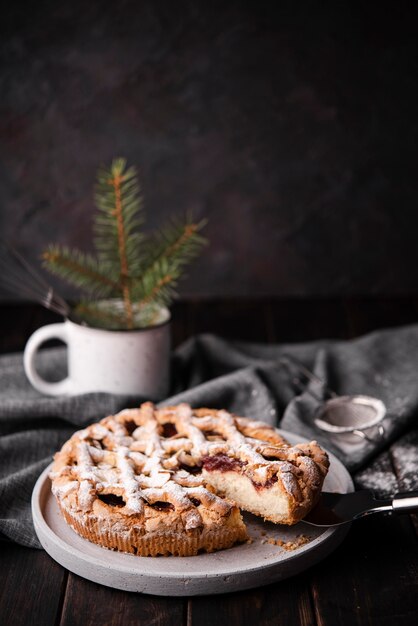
(260, 471)
(169, 481)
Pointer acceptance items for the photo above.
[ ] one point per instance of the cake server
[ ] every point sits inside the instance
(334, 509)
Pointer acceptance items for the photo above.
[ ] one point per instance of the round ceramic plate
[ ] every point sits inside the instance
(252, 564)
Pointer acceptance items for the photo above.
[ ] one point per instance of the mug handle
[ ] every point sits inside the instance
(52, 331)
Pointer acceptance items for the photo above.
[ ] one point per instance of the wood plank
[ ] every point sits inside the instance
(364, 315)
(14, 320)
(404, 458)
(375, 565)
(341, 596)
(371, 578)
(286, 603)
(367, 314)
(41, 317)
(298, 320)
(89, 604)
(31, 586)
(240, 319)
(19, 321)
(278, 320)
(179, 330)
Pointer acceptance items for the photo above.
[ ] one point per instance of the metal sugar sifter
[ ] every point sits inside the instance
(341, 415)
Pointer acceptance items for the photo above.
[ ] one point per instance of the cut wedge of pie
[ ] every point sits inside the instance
(167, 481)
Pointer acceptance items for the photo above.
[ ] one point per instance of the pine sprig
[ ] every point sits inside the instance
(117, 237)
(99, 316)
(169, 250)
(139, 272)
(156, 284)
(179, 242)
(81, 269)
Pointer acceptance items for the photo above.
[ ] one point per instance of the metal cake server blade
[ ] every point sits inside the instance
(334, 509)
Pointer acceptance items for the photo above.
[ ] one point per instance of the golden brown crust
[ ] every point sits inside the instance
(133, 482)
(129, 540)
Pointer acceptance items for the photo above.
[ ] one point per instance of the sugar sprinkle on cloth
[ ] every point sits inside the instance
(244, 378)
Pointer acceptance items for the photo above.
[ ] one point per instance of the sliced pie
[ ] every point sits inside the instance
(166, 481)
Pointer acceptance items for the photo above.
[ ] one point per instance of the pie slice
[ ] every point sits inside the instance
(167, 481)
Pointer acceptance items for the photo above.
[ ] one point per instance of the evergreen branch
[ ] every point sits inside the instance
(117, 238)
(108, 315)
(116, 181)
(189, 230)
(156, 285)
(175, 246)
(138, 274)
(156, 292)
(179, 242)
(98, 316)
(109, 224)
(80, 269)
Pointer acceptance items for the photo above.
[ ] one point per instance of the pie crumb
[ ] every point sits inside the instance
(300, 540)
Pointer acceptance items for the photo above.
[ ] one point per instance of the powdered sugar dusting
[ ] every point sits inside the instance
(288, 479)
(86, 495)
(129, 457)
(63, 490)
(185, 422)
(405, 460)
(129, 483)
(379, 477)
(85, 468)
(193, 519)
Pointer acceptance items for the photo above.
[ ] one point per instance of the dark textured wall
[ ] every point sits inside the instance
(293, 131)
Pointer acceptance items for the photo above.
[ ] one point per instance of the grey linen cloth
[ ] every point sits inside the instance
(246, 379)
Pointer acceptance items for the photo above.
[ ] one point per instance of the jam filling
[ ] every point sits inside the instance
(269, 483)
(111, 499)
(192, 469)
(213, 433)
(224, 463)
(169, 430)
(221, 463)
(130, 427)
(162, 506)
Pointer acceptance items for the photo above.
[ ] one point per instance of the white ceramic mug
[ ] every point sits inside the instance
(125, 362)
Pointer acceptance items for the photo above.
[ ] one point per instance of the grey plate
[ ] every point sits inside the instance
(242, 567)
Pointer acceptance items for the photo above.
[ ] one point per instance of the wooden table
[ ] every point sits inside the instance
(370, 579)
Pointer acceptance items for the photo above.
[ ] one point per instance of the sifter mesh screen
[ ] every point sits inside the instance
(349, 413)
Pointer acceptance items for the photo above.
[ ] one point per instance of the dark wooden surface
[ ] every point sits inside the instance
(372, 578)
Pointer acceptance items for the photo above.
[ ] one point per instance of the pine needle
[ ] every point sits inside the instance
(98, 316)
(117, 236)
(80, 269)
(140, 271)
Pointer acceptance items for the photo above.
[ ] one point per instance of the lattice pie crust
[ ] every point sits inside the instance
(166, 481)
